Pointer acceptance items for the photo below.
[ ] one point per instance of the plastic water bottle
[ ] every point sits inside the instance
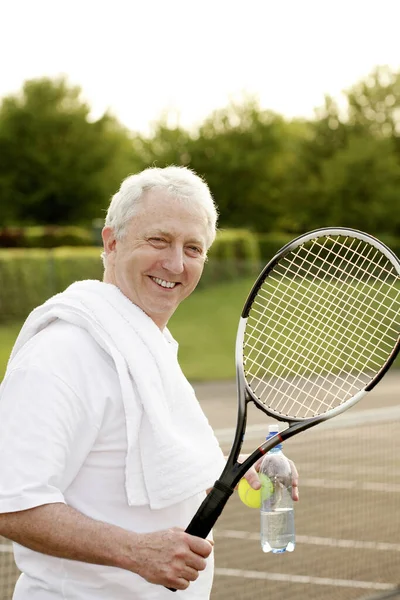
(277, 513)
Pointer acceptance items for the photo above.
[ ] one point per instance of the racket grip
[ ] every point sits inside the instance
(209, 511)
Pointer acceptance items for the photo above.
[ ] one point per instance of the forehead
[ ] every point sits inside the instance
(159, 211)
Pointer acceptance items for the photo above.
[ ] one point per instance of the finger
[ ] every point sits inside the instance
(251, 474)
(252, 478)
(295, 474)
(190, 574)
(196, 562)
(257, 464)
(295, 481)
(199, 546)
(178, 584)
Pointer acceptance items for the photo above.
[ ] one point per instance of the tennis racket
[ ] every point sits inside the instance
(319, 330)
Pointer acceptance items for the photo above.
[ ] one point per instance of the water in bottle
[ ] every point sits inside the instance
(277, 513)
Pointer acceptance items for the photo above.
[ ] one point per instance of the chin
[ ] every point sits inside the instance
(161, 311)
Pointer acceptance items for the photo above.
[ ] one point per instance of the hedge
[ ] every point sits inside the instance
(29, 276)
(50, 236)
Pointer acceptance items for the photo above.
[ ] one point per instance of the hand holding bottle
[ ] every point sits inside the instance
(276, 512)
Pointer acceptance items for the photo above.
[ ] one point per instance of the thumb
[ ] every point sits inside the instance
(252, 478)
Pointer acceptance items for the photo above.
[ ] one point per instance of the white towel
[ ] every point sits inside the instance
(172, 451)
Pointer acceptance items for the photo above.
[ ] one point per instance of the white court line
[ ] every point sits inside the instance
(368, 486)
(366, 585)
(358, 470)
(313, 540)
(347, 419)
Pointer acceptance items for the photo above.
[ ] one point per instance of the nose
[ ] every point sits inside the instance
(173, 261)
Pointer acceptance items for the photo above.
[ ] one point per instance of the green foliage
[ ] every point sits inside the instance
(267, 174)
(235, 253)
(374, 103)
(57, 166)
(50, 236)
(235, 244)
(348, 167)
(166, 146)
(245, 154)
(362, 185)
(54, 236)
(8, 335)
(270, 175)
(392, 242)
(29, 277)
(270, 243)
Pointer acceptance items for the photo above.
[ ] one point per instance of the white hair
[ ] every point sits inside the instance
(178, 182)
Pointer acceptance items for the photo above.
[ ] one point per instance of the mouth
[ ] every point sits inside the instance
(163, 283)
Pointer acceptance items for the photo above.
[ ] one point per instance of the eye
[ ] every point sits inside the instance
(195, 250)
(158, 241)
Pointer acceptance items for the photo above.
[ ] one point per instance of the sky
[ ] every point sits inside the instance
(141, 59)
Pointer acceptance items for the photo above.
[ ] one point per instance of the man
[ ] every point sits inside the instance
(105, 454)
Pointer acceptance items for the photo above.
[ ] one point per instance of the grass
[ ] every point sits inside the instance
(205, 326)
(8, 335)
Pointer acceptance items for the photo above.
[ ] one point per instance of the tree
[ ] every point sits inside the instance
(374, 103)
(57, 165)
(165, 146)
(243, 152)
(348, 168)
(361, 186)
(238, 151)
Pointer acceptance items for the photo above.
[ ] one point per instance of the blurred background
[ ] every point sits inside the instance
(291, 112)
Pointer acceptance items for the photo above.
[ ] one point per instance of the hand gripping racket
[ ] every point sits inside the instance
(319, 330)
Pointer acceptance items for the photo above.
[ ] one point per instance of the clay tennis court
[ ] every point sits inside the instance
(348, 519)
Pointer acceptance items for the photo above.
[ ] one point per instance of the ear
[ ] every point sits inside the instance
(109, 240)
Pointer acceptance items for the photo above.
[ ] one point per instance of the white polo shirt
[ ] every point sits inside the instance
(63, 439)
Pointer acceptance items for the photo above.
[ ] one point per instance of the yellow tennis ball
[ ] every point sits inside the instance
(267, 487)
(248, 496)
(253, 498)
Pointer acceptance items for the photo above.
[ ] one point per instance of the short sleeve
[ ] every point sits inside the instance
(46, 432)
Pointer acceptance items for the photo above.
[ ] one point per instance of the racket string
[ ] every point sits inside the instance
(284, 382)
(323, 310)
(311, 359)
(317, 313)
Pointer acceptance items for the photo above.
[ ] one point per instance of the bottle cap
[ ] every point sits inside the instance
(273, 429)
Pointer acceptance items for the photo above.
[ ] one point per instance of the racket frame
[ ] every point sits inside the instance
(292, 245)
(212, 506)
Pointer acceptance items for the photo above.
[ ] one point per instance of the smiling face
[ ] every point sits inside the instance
(160, 259)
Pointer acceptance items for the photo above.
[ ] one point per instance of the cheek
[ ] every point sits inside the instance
(126, 271)
(196, 273)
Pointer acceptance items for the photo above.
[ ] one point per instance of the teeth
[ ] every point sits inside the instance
(163, 283)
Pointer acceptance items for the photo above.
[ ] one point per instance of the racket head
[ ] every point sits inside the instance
(320, 326)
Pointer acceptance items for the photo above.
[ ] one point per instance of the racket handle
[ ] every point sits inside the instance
(209, 511)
